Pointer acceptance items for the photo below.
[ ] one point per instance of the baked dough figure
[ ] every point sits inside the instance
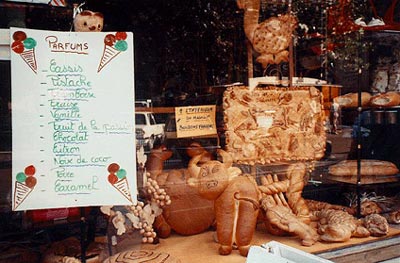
(338, 226)
(188, 213)
(270, 38)
(289, 213)
(236, 200)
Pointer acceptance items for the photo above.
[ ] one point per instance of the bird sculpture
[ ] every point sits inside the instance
(272, 37)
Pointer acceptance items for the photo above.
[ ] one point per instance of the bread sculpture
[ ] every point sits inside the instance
(289, 213)
(371, 203)
(388, 99)
(274, 124)
(377, 225)
(155, 162)
(338, 226)
(392, 217)
(236, 198)
(135, 256)
(188, 213)
(369, 207)
(88, 21)
(314, 205)
(270, 38)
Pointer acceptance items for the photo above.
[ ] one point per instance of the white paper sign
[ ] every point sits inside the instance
(73, 119)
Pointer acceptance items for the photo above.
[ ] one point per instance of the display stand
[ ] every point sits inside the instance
(359, 151)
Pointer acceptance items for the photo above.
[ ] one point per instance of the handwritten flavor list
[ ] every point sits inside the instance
(76, 126)
(69, 89)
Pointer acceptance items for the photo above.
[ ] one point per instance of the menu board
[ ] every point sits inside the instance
(73, 140)
(195, 120)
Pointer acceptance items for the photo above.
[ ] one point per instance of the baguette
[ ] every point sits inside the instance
(368, 168)
(350, 100)
(388, 99)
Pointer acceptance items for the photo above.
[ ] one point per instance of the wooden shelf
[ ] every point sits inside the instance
(202, 247)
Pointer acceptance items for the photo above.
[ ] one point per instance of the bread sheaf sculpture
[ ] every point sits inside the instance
(285, 209)
(235, 200)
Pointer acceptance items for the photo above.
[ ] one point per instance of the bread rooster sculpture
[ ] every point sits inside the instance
(270, 38)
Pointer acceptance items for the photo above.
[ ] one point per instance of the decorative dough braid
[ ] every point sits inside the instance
(274, 187)
(314, 205)
(296, 173)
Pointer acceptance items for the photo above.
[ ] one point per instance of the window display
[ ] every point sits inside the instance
(292, 135)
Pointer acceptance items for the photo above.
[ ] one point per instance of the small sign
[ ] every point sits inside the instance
(195, 121)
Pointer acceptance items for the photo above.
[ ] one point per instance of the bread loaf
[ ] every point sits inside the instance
(368, 168)
(388, 99)
(350, 100)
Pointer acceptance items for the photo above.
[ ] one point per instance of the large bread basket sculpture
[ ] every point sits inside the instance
(274, 124)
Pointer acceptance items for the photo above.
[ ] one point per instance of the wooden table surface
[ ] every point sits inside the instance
(202, 247)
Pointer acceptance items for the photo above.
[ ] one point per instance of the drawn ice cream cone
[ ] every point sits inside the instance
(123, 187)
(29, 57)
(24, 184)
(108, 54)
(117, 178)
(25, 47)
(20, 193)
(113, 45)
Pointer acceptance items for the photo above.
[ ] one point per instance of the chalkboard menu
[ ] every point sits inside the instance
(73, 140)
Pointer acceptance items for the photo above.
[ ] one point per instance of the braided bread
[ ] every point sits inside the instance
(296, 173)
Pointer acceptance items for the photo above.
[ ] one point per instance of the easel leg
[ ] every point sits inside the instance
(83, 235)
